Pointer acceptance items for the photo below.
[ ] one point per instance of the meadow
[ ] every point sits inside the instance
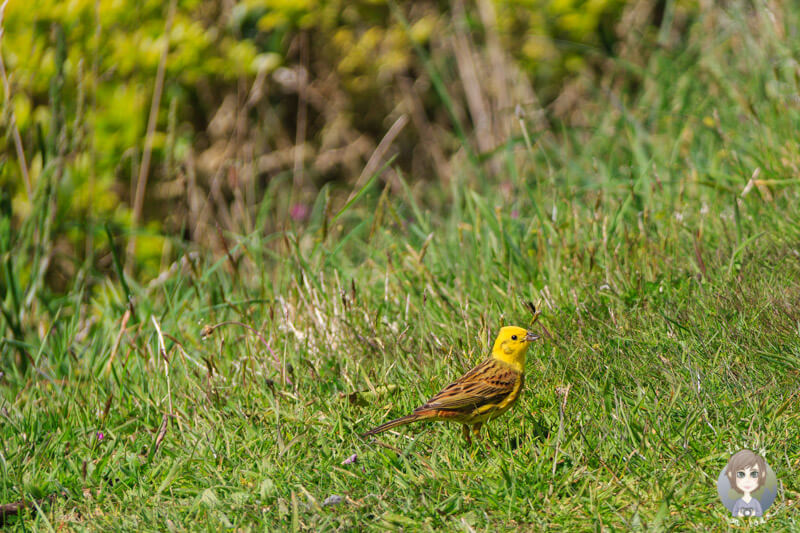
(657, 230)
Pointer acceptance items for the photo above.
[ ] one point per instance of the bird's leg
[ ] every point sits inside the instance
(476, 430)
(465, 432)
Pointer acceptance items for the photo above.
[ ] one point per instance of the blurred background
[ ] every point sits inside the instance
(183, 119)
(235, 235)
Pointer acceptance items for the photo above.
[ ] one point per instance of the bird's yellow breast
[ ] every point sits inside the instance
(490, 411)
(511, 399)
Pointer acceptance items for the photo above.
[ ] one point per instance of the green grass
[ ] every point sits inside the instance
(670, 302)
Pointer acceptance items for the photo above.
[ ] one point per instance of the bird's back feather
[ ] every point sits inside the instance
(488, 383)
(484, 392)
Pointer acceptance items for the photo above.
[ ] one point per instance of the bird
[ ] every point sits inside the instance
(485, 392)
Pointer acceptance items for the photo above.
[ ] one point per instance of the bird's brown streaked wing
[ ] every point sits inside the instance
(487, 383)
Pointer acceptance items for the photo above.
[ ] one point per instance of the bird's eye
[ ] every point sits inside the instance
(513, 337)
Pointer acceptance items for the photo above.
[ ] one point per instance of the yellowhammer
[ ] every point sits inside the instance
(483, 393)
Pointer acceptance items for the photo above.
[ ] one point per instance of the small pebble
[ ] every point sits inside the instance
(334, 499)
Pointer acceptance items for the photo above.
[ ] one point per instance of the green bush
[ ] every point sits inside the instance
(255, 94)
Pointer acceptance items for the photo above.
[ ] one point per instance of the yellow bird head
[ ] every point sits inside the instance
(511, 344)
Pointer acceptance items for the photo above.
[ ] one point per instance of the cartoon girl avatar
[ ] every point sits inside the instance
(746, 473)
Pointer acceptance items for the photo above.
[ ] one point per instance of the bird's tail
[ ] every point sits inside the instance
(402, 421)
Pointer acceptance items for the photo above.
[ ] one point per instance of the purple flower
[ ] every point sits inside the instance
(299, 212)
(350, 460)
(514, 214)
(100, 435)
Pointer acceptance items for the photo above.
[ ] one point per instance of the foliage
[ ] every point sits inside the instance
(265, 87)
(655, 223)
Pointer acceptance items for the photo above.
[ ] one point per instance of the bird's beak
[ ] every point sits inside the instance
(531, 336)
